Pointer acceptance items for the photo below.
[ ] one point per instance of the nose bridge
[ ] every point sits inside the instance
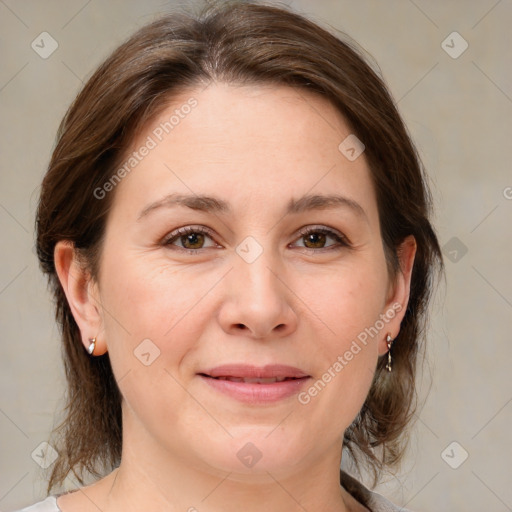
(257, 300)
(256, 281)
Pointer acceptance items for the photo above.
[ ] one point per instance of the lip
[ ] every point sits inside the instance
(249, 371)
(256, 393)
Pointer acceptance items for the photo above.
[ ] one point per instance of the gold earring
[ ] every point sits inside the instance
(92, 345)
(389, 342)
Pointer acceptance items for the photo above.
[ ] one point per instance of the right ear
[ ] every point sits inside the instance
(82, 294)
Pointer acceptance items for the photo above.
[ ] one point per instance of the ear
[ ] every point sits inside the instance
(82, 295)
(399, 291)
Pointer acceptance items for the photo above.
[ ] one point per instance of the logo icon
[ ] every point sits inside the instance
(351, 147)
(454, 45)
(454, 249)
(454, 455)
(146, 352)
(44, 45)
(249, 455)
(249, 249)
(44, 455)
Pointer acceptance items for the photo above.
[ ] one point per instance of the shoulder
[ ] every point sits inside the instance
(373, 501)
(47, 505)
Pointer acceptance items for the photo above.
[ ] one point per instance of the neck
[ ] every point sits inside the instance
(151, 478)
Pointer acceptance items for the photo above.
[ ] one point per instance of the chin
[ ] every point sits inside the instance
(254, 452)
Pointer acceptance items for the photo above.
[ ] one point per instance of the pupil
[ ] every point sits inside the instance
(191, 240)
(316, 239)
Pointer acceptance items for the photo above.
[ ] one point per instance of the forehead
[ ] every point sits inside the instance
(248, 144)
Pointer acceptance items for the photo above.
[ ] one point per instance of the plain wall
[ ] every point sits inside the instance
(458, 111)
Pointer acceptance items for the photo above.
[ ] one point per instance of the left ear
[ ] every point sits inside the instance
(399, 291)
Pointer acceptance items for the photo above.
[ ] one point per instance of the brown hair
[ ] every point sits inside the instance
(233, 42)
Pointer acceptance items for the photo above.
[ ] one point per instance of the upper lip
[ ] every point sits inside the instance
(261, 372)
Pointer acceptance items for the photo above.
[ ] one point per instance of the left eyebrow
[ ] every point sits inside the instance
(324, 202)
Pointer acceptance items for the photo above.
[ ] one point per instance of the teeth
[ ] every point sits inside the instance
(254, 380)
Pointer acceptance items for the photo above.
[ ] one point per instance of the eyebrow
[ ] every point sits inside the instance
(194, 202)
(295, 206)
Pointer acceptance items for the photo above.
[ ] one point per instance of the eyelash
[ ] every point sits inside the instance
(341, 240)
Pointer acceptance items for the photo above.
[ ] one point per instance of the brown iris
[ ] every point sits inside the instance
(317, 240)
(193, 240)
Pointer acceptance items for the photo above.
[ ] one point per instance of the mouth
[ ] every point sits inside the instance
(253, 380)
(255, 374)
(256, 385)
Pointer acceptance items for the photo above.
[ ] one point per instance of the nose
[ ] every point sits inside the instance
(257, 302)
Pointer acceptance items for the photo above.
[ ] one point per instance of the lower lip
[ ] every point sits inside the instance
(253, 393)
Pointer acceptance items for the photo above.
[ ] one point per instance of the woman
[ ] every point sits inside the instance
(236, 227)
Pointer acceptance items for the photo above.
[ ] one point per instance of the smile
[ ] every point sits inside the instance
(255, 385)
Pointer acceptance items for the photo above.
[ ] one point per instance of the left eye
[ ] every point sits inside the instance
(316, 238)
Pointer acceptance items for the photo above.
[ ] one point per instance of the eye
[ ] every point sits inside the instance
(195, 238)
(191, 238)
(315, 238)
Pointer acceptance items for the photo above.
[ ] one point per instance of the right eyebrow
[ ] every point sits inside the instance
(194, 202)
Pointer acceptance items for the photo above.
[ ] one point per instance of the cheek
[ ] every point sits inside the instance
(152, 319)
(350, 302)
(152, 300)
(348, 306)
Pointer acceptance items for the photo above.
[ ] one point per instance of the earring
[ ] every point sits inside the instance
(92, 345)
(389, 342)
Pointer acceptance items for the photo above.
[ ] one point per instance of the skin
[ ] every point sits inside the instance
(299, 303)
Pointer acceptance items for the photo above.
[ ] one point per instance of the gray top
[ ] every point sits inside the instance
(373, 501)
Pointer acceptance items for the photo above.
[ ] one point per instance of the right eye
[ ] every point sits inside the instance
(190, 238)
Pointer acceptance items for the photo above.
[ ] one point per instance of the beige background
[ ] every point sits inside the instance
(457, 109)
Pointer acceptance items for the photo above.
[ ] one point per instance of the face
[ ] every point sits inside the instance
(243, 247)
